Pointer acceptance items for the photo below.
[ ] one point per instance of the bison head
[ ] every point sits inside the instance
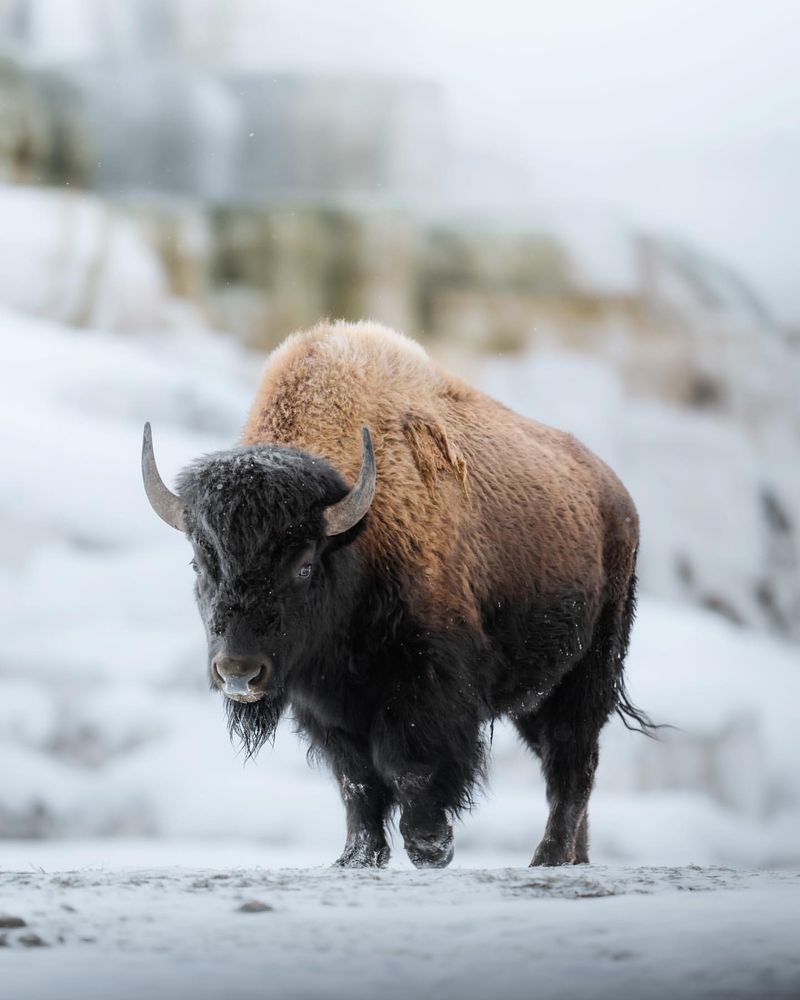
(270, 527)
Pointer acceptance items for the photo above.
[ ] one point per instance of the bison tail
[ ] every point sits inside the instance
(633, 718)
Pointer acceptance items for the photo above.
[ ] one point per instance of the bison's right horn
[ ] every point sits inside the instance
(165, 503)
(345, 514)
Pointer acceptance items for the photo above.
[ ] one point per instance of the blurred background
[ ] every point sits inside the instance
(590, 209)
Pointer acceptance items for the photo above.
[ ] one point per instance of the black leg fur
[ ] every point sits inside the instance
(367, 799)
(582, 841)
(432, 765)
(367, 804)
(425, 827)
(564, 733)
(427, 743)
(431, 783)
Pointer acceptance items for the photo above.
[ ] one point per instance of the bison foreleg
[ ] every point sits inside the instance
(367, 799)
(427, 833)
(367, 802)
(433, 779)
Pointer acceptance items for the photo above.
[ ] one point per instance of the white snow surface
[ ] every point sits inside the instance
(507, 932)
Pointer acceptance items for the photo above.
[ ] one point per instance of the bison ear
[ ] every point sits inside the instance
(345, 514)
(165, 503)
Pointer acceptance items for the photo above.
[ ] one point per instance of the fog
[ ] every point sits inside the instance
(678, 115)
(668, 115)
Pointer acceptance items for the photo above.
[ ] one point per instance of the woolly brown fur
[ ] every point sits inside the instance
(472, 499)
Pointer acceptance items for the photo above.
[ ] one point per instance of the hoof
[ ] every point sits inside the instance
(432, 851)
(551, 855)
(363, 855)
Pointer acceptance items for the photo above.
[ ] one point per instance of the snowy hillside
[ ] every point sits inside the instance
(91, 265)
(106, 725)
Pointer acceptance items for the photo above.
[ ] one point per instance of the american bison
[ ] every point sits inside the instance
(481, 565)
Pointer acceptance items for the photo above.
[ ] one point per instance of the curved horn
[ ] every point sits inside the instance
(166, 504)
(342, 516)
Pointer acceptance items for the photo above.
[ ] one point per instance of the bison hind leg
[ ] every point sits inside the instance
(567, 746)
(564, 733)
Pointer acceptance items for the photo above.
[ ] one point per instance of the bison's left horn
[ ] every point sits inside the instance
(164, 502)
(342, 516)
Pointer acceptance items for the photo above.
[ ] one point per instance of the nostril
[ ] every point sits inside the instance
(261, 675)
(239, 674)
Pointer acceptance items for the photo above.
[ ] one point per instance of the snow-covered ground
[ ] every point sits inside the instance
(509, 933)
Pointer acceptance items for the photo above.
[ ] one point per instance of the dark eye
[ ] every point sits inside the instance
(305, 571)
(194, 565)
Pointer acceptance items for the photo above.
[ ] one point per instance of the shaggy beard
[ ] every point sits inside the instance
(253, 723)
